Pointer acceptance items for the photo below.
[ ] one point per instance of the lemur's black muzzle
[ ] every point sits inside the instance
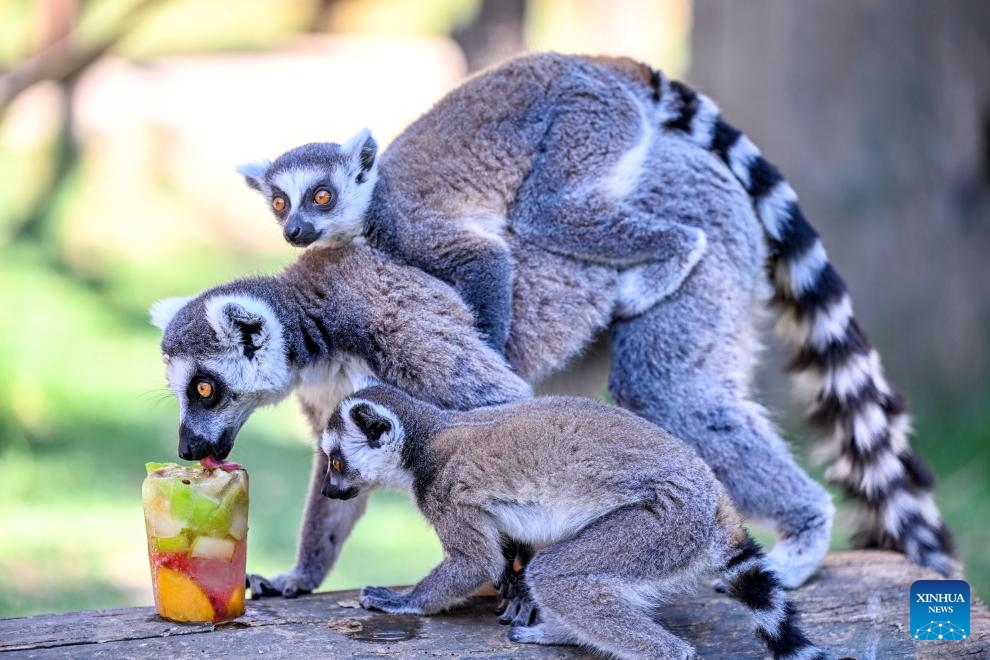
(337, 487)
(299, 232)
(195, 447)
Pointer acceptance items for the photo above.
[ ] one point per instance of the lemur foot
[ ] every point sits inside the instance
(520, 610)
(387, 600)
(517, 607)
(541, 633)
(796, 559)
(286, 585)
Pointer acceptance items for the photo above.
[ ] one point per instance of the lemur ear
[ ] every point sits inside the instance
(370, 423)
(242, 322)
(163, 311)
(362, 150)
(254, 173)
(366, 381)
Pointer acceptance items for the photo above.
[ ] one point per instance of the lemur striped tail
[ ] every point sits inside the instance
(750, 580)
(863, 417)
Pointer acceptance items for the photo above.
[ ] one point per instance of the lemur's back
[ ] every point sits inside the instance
(556, 458)
(465, 160)
(474, 148)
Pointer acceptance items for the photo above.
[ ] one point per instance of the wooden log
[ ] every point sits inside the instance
(857, 607)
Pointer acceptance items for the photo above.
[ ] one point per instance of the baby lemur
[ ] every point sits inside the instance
(622, 515)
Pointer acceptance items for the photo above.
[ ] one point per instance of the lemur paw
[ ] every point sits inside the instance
(520, 610)
(541, 633)
(794, 562)
(517, 608)
(384, 599)
(286, 585)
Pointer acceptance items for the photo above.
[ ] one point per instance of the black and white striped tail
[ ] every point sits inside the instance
(749, 580)
(863, 417)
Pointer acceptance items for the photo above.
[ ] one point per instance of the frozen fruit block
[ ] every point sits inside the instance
(196, 519)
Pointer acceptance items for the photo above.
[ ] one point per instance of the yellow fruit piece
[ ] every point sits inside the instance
(235, 604)
(181, 599)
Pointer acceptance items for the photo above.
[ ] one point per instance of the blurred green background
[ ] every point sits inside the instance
(121, 122)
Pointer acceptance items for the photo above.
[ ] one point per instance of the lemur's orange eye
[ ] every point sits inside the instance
(322, 196)
(204, 389)
(278, 203)
(335, 464)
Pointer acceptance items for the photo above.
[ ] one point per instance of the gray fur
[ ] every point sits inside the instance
(455, 184)
(623, 515)
(348, 172)
(687, 336)
(333, 317)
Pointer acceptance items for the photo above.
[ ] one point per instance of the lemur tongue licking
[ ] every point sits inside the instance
(228, 466)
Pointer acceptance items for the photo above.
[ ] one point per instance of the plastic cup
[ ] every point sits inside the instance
(196, 519)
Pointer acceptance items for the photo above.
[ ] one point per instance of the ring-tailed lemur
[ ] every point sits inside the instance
(608, 161)
(622, 514)
(328, 320)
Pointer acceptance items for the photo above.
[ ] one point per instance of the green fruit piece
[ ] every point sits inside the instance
(187, 503)
(178, 543)
(238, 524)
(208, 547)
(203, 510)
(180, 497)
(159, 518)
(221, 520)
(160, 522)
(155, 467)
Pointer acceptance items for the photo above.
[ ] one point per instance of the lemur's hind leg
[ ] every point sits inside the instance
(685, 364)
(576, 200)
(600, 588)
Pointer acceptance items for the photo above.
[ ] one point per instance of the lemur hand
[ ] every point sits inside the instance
(286, 585)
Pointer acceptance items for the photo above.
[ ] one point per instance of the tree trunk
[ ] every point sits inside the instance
(495, 34)
(878, 113)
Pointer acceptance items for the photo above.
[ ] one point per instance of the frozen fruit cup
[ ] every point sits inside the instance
(196, 518)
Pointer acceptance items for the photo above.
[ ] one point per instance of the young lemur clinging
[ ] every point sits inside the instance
(639, 179)
(621, 513)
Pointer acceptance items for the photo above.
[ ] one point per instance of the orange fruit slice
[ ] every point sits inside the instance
(181, 599)
(235, 604)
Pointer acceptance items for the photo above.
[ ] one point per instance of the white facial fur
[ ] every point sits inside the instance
(179, 371)
(262, 379)
(266, 374)
(163, 311)
(295, 182)
(376, 466)
(345, 221)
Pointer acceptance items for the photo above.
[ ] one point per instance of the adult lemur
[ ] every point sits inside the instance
(622, 515)
(609, 161)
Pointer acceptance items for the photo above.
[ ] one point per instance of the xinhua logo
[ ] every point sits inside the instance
(940, 610)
